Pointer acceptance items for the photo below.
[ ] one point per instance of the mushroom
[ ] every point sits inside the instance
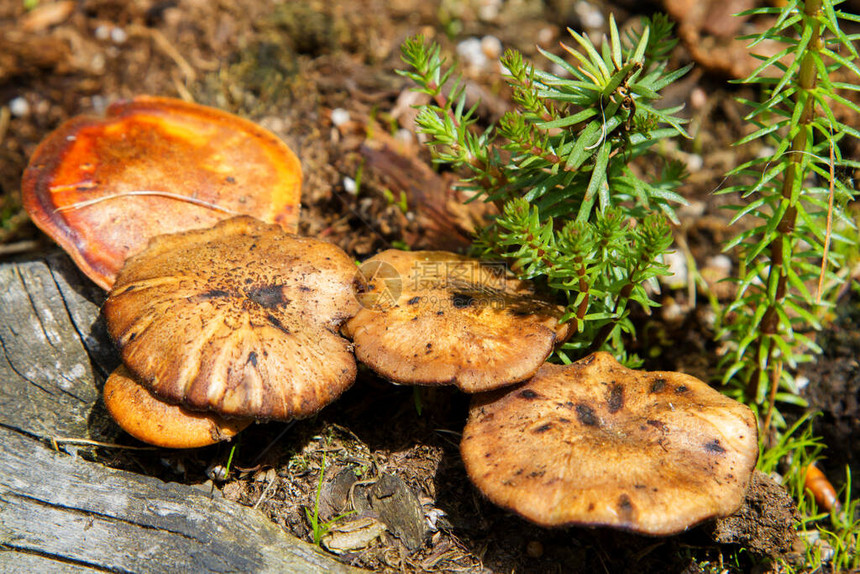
(433, 318)
(595, 443)
(151, 420)
(240, 319)
(102, 187)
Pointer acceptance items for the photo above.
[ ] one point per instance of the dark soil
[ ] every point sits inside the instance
(287, 66)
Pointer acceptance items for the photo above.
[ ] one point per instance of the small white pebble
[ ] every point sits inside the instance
(491, 47)
(590, 16)
(339, 116)
(766, 151)
(692, 210)
(545, 36)
(118, 35)
(671, 311)
(350, 186)
(102, 32)
(801, 382)
(19, 107)
(97, 63)
(489, 10)
(707, 317)
(471, 53)
(694, 162)
(404, 136)
(677, 268)
(99, 104)
(698, 98)
(720, 262)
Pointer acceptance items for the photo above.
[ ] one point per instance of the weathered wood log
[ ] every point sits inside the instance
(61, 513)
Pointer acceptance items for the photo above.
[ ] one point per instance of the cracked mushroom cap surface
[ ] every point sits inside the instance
(433, 317)
(594, 443)
(149, 419)
(101, 187)
(241, 319)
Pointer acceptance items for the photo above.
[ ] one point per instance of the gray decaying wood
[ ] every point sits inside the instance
(61, 513)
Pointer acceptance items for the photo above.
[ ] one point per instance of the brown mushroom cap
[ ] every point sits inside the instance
(241, 319)
(149, 419)
(594, 443)
(433, 317)
(78, 183)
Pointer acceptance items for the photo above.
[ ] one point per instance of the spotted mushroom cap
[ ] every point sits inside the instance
(241, 318)
(433, 317)
(147, 418)
(102, 187)
(594, 443)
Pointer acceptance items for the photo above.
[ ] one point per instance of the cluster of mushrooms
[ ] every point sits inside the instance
(223, 315)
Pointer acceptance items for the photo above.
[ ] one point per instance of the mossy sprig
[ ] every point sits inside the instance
(794, 203)
(573, 214)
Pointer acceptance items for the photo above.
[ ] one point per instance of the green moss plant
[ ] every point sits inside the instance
(786, 259)
(573, 214)
(792, 248)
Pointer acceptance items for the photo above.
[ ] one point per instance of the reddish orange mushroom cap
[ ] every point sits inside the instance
(82, 186)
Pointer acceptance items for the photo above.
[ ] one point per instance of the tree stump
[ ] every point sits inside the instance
(61, 513)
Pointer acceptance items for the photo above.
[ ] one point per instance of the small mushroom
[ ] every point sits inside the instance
(151, 420)
(594, 443)
(241, 319)
(433, 318)
(102, 187)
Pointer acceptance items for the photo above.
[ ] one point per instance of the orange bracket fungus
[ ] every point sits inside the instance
(433, 317)
(153, 421)
(240, 319)
(594, 443)
(102, 187)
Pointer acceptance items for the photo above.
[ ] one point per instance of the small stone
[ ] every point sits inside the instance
(693, 210)
(671, 311)
(721, 263)
(471, 53)
(677, 278)
(765, 151)
(590, 16)
(698, 98)
(118, 35)
(534, 549)
(546, 36)
(489, 10)
(404, 137)
(694, 162)
(350, 186)
(102, 32)
(491, 47)
(714, 272)
(19, 107)
(339, 116)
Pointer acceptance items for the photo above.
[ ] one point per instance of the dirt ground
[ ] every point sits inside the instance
(289, 66)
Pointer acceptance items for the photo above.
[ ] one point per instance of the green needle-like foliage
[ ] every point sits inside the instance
(792, 202)
(572, 213)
